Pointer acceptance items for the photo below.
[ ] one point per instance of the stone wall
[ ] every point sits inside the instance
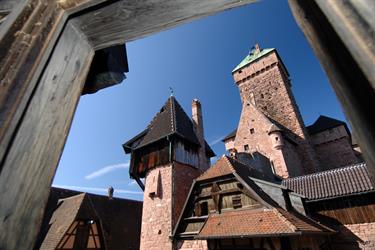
(183, 177)
(333, 148)
(157, 211)
(252, 137)
(356, 236)
(192, 245)
(266, 84)
(166, 189)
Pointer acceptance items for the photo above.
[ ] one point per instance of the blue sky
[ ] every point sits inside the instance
(196, 60)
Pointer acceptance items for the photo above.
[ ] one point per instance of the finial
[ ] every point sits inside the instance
(110, 192)
(255, 49)
(172, 92)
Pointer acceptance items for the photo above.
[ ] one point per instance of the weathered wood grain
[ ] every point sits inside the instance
(31, 162)
(26, 40)
(121, 21)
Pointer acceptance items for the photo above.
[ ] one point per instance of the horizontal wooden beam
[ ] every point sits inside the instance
(117, 22)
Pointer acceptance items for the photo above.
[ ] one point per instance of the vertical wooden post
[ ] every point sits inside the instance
(341, 35)
(31, 161)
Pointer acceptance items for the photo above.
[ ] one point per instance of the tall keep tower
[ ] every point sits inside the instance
(263, 80)
(169, 154)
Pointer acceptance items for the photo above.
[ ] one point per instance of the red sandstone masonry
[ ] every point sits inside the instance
(365, 232)
(333, 148)
(265, 82)
(160, 213)
(157, 211)
(192, 245)
(253, 131)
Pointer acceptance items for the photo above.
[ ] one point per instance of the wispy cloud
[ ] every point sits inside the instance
(133, 182)
(106, 170)
(97, 189)
(216, 141)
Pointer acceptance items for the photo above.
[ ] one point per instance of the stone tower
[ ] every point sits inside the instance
(263, 81)
(169, 154)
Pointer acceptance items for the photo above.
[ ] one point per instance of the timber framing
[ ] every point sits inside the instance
(46, 51)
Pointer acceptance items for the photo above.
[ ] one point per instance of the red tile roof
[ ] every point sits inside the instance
(61, 220)
(120, 219)
(227, 165)
(332, 183)
(220, 168)
(257, 222)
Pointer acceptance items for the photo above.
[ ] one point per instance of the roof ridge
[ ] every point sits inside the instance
(228, 162)
(73, 197)
(356, 165)
(173, 115)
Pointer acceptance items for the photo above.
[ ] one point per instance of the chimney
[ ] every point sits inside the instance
(196, 110)
(110, 192)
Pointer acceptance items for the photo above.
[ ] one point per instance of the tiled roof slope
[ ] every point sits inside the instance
(324, 123)
(61, 220)
(257, 222)
(332, 183)
(170, 120)
(227, 165)
(120, 218)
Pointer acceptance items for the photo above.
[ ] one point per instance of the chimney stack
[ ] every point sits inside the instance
(196, 109)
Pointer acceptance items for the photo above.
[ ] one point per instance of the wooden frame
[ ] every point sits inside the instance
(47, 47)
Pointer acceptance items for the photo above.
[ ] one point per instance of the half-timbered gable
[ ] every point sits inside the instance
(75, 220)
(74, 225)
(228, 208)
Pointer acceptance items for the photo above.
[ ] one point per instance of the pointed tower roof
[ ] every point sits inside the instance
(170, 120)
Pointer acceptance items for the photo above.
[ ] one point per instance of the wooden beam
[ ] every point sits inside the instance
(108, 68)
(341, 35)
(117, 22)
(30, 163)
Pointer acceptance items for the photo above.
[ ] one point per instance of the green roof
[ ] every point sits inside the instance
(252, 57)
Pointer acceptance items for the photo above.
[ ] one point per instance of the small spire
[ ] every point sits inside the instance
(171, 90)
